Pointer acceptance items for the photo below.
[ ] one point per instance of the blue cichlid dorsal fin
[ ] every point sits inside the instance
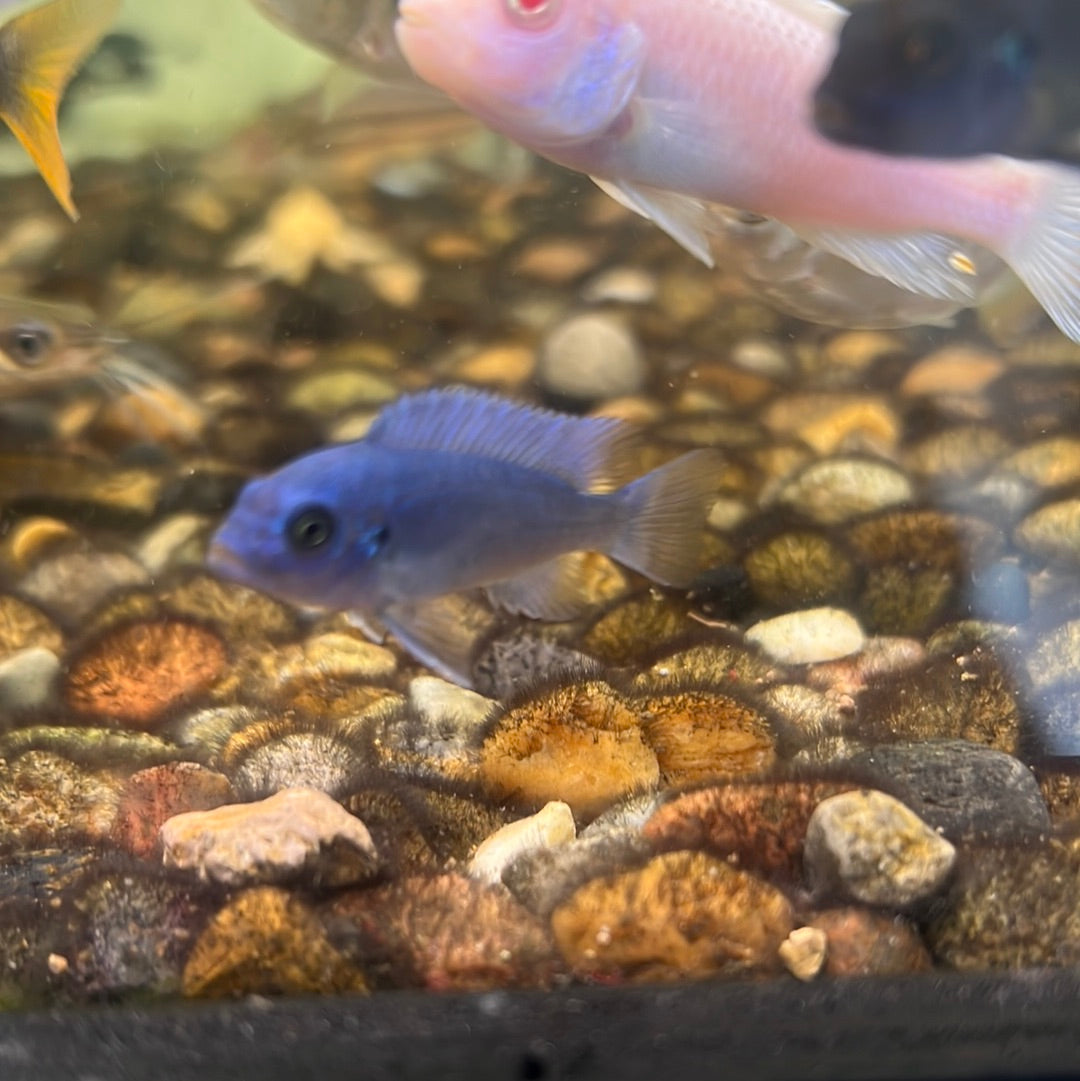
(594, 454)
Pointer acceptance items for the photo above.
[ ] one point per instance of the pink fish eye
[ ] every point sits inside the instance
(532, 13)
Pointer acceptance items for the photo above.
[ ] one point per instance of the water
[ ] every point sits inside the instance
(887, 596)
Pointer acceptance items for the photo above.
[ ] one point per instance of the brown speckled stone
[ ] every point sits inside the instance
(266, 942)
(683, 915)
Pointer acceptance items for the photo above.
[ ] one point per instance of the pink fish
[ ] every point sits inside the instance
(675, 106)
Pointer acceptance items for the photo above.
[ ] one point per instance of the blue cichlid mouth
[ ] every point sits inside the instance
(221, 559)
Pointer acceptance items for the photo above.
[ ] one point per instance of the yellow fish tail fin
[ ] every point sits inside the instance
(40, 50)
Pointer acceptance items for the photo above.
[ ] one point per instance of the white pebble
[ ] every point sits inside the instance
(550, 827)
(809, 636)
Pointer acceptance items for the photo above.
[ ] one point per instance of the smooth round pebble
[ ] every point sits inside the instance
(28, 679)
(590, 357)
(808, 636)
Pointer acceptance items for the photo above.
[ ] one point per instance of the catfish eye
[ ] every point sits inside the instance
(27, 343)
(929, 47)
(532, 13)
(310, 528)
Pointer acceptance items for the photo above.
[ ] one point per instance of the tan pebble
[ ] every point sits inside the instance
(551, 826)
(398, 282)
(858, 349)
(504, 365)
(761, 356)
(32, 538)
(955, 369)
(555, 261)
(727, 514)
(829, 422)
(620, 285)
(631, 408)
(449, 247)
(872, 848)
(581, 743)
(331, 392)
(803, 952)
(335, 655)
(1047, 462)
(1052, 533)
(699, 734)
(837, 489)
(304, 228)
(296, 830)
(57, 964)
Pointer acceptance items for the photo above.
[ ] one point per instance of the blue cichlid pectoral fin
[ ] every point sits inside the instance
(686, 220)
(554, 590)
(441, 632)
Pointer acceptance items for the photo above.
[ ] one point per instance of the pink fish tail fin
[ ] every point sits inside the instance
(1046, 256)
(665, 518)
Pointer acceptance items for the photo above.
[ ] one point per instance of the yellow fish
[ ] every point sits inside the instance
(40, 50)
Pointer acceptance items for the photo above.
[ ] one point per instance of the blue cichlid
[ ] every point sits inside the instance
(954, 78)
(453, 490)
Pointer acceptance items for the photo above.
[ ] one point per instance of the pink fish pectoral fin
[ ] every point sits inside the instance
(554, 590)
(688, 221)
(931, 264)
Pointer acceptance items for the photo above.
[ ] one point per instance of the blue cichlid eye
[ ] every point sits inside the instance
(369, 544)
(310, 528)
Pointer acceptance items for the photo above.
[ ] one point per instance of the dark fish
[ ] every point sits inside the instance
(359, 33)
(953, 78)
(453, 490)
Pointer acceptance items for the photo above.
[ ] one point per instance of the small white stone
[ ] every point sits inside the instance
(453, 718)
(803, 952)
(620, 284)
(28, 678)
(808, 636)
(550, 827)
(590, 357)
(159, 547)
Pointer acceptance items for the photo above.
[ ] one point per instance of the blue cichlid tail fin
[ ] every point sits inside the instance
(665, 518)
(1046, 257)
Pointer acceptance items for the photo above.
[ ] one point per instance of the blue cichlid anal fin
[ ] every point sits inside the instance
(441, 632)
(554, 590)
